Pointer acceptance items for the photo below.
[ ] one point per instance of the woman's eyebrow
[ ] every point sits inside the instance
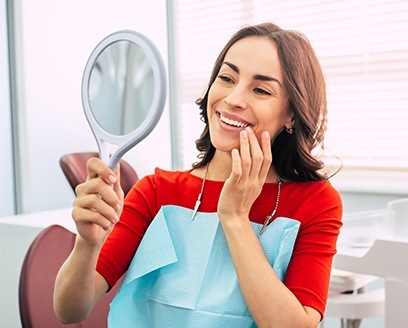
(267, 78)
(259, 77)
(232, 66)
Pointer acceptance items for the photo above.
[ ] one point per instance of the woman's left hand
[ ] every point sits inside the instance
(250, 167)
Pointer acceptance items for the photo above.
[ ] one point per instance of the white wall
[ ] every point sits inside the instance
(6, 163)
(58, 37)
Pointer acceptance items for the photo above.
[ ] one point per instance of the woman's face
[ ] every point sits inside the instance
(248, 91)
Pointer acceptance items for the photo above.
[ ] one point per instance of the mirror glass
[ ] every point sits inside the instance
(121, 87)
(123, 92)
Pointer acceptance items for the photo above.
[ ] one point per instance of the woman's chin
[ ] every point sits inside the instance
(226, 147)
(224, 141)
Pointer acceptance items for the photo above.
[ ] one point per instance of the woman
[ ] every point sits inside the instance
(246, 238)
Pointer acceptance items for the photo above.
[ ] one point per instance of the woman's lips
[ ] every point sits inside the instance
(233, 121)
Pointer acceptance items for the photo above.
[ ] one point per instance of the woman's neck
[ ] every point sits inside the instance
(221, 165)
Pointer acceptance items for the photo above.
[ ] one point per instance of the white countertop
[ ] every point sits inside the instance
(41, 219)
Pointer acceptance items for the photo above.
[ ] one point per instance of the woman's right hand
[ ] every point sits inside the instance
(97, 206)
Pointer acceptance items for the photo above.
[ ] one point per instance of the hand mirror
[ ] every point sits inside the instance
(123, 92)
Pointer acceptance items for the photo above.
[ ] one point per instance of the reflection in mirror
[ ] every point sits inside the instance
(121, 80)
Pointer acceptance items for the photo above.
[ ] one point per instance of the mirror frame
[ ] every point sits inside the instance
(127, 141)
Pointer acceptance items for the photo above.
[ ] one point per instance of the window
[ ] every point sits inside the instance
(363, 49)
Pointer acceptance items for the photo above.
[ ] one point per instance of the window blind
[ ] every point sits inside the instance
(362, 47)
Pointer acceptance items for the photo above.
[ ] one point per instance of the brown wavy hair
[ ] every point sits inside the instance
(306, 89)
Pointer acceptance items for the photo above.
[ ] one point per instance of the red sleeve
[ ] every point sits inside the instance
(139, 209)
(308, 274)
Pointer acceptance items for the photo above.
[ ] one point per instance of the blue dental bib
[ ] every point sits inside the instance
(182, 274)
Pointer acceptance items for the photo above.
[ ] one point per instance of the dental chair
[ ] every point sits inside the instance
(36, 287)
(74, 168)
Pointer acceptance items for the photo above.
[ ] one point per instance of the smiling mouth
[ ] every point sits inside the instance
(232, 122)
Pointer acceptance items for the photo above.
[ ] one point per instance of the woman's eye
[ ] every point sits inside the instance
(225, 78)
(262, 91)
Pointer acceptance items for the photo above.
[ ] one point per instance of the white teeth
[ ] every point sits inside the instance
(232, 122)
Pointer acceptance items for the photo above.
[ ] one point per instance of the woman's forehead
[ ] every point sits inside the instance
(257, 56)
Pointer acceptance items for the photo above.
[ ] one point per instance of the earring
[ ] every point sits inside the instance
(289, 130)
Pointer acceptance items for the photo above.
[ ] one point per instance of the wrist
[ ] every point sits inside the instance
(83, 246)
(235, 223)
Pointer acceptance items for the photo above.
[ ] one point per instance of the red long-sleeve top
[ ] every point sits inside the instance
(316, 205)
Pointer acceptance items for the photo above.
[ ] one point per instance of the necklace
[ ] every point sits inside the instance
(198, 201)
(268, 218)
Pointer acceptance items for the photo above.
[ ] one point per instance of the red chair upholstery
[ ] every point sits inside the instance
(74, 168)
(40, 267)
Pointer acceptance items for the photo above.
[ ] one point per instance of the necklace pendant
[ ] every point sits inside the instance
(197, 205)
(198, 201)
(268, 218)
(267, 221)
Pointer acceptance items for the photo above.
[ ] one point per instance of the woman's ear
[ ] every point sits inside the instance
(290, 122)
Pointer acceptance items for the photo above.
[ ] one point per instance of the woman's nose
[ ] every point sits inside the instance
(237, 98)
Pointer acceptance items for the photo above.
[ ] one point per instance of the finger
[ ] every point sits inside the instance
(267, 154)
(117, 171)
(96, 208)
(84, 216)
(97, 168)
(245, 153)
(257, 156)
(236, 171)
(99, 188)
(117, 187)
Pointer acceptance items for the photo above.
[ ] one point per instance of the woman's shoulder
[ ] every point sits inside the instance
(316, 192)
(312, 187)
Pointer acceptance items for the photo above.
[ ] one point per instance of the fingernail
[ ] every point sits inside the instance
(116, 218)
(112, 178)
(248, 128)
(266, 135)
(244, 134)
